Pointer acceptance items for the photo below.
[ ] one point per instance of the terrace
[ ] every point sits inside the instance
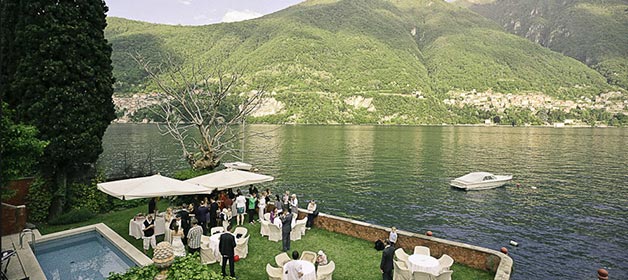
(346, 242)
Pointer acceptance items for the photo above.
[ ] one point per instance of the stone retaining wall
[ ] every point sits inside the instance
(469, 255)
(13, 218)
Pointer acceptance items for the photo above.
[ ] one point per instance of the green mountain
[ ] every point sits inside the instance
(592, 31)
(364, 61)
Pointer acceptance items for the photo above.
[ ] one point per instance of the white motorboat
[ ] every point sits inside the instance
(480, 181)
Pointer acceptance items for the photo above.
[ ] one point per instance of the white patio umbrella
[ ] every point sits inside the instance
(150, 186)
(229, 178)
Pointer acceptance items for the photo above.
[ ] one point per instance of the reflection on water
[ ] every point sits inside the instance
(571, 224)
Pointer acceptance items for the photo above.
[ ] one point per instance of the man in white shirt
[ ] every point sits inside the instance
(293, 269)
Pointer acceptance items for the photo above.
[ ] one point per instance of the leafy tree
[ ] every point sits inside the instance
(20, 150)
(62, 84)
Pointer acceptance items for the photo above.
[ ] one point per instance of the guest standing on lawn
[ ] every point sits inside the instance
(311, 207)
(240, 207)
(252, 200)
(227, 250)
(148, 227)
(213, 213)
(286, 228)
(386, 266)
(261, 205)
(194, 237)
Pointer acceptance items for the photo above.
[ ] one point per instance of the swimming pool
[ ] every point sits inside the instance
(81, 256)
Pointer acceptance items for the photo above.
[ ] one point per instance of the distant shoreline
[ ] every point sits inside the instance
(415, 125)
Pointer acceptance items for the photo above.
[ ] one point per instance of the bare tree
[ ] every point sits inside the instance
(197, 99)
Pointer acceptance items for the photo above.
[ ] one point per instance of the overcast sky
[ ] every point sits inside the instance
(194, 12)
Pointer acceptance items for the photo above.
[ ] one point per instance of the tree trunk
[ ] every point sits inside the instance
(59, 197)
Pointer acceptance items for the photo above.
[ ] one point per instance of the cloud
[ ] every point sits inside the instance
(233, 15)
(185, 2)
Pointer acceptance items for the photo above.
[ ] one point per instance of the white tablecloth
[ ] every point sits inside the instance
(214, 242)
(309, 271)
(135, 227)
(423, 263)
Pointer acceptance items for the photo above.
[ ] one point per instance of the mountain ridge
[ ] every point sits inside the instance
(368, 47)
(593, 32)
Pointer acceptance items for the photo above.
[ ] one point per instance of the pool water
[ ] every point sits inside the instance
(81, 256)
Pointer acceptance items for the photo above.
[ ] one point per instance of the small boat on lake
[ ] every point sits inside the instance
(480, 181)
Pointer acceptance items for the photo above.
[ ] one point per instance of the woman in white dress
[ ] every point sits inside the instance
(177, 244)
(168, 217)
(261, 204)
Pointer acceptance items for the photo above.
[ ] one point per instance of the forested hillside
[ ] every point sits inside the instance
(404, 57)
(592, 31)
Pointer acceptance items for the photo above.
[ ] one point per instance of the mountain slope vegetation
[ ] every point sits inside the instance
(406, 56)
(592, 31)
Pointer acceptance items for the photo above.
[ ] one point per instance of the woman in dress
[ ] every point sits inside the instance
(261, 205)
(168, 217)
(177, 245)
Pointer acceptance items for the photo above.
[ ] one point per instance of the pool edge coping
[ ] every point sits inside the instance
(34, 270)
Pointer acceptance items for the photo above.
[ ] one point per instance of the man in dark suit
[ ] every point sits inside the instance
(286, 228)
(185, 223)
(227, 250)
(386, 265)
(201, 215)
(213, 212)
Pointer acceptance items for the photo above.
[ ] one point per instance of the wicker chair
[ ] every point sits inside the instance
(242, 247)
(445, 262)
(421, 250)
(282, 259)
(309, 256)
(295, 234)
(241, 230)
(401, 255)
(304, 222)
(215, 230)
(445, 275)
(274, 273)
(263, 230)
(420, 275)
(207, 254)
(274, 233)
(325, 272)
(401, 271)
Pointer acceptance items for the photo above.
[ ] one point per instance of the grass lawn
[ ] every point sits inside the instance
(354, 258)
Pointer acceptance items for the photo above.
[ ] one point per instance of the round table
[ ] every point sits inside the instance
(214, 242)
(135, 227)
(423, 263)
(308, 269)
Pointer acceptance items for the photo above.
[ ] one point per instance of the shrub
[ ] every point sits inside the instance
(75, 215)
(136, 273)
(185, 268)
(38, 200)
(87, 196)
(189, 174)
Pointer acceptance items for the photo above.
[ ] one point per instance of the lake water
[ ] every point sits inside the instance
(570, 215)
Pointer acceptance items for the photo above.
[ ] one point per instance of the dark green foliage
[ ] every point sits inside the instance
(38, 200)
(20, 149)
(62, 83)
(87, 196)
(136, 273)
(75, 215)
(183, 268)
(189, 174)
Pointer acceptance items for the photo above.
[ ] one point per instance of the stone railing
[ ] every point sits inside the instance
(469, 255)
